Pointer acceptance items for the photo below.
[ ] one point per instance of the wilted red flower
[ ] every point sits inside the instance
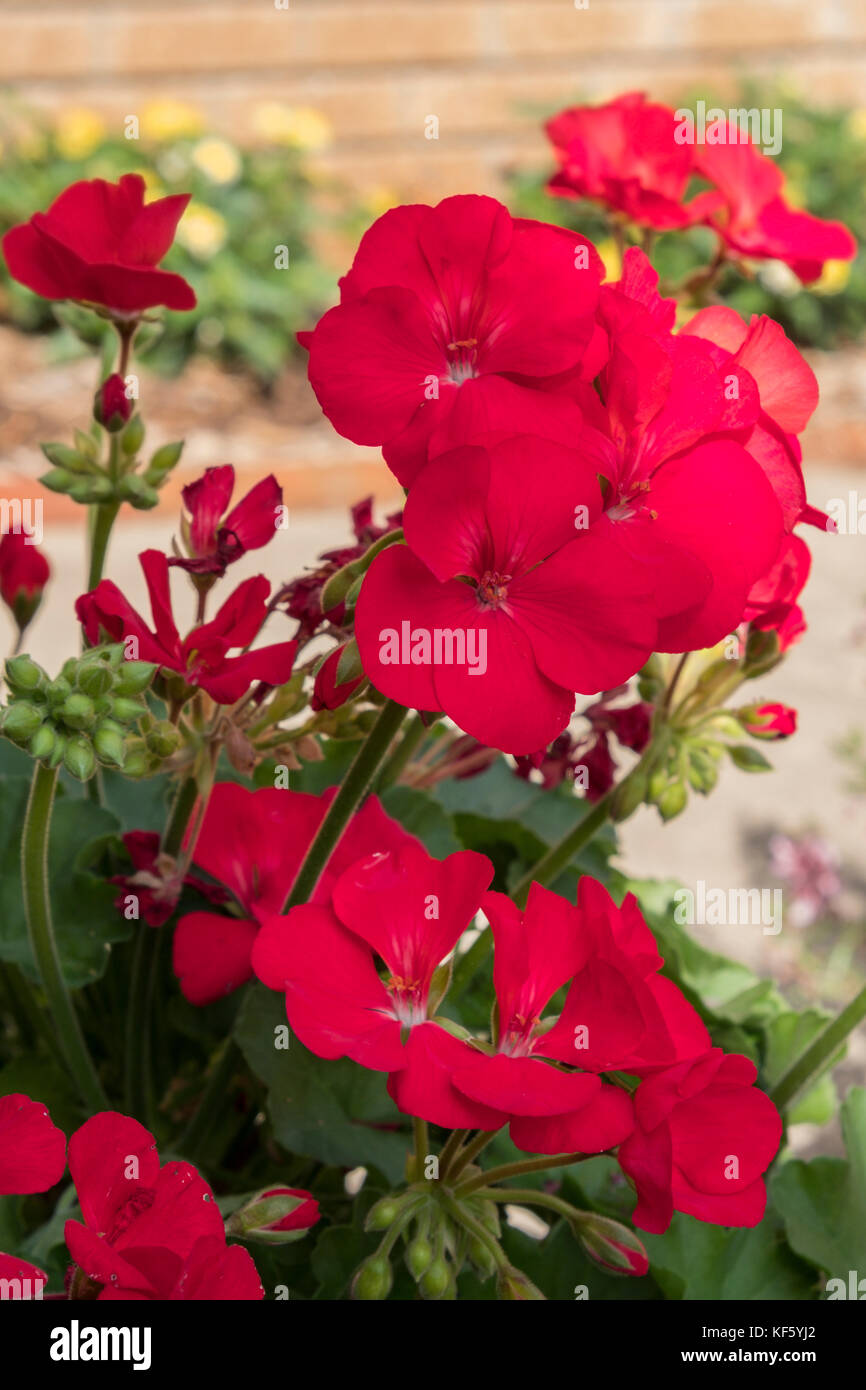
(410, 910)
(111, 405)
(215, 539)
(553, 605)
(703, 1138)
(202, 656)
(753, 218)
(155, 880)
(32, 1148)
(772, 721)
(450, 319)
(254, 842)
(148, 1232)
(624, 155)
(100, 243)
(24, 572)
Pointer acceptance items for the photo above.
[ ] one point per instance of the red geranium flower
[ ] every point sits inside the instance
(703, 1138)
(686, 499)
(255, 842)
(24, 572)
(409, 910)
(327, 694)
(215, 540)
(553, 603)
(32, 1149)
(449, 320)
(148, 1232)
(624, 154)
(155, 880)
(100, 243)
(753, 218)
(202, 656)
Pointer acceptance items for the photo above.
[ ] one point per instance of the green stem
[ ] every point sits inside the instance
(465, 1157)
(475, 1228)
(348, 798)
(212, 1100)
(810, 1064)
(529, 1197)
(103, 520)
(37, 907)
(422, 1144)
(515, 1170)
(412, 737)
(452, 1146)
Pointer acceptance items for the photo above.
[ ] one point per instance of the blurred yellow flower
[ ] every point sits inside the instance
(153, 186)
(833, 278)
(380, 199)
(611, 258)
(78, 132)
(301, 126)
(217, 159)
(857, 122)
(202, 230)
(167, 119)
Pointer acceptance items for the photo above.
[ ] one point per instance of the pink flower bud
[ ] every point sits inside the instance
(111, 405)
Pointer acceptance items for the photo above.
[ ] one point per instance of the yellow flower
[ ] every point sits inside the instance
(202, 230)
(833, 278)
(857, 122)
(380, 199)
(168, 119)
(79, 131)
(217, 159)
(301, 126)
(611, 258)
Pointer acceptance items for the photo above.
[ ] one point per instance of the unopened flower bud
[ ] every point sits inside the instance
(126, 710)
(24, 675)
(20, 721)
(94, 678)
(419, 1256)
(672, 800)
(108, 743)
(112, 408)
(514, 1284)
(133, 677)
(274, 1216)
(373, 1280)
(163, 739)
(79, 758)
(436, 1279)
(77, 711)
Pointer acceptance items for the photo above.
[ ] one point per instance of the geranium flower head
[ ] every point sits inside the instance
(100, 243)
(624, 154)
(215, 537)
(146, 1231)
(202, 657)
(450, 319)
(502, 554)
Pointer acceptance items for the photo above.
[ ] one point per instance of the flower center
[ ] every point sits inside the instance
(493, 588)
(462, 365)
(409, 1006)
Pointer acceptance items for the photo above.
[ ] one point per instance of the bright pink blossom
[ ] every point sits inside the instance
(32, 1148)
(254, 842)
(704, 1137)
(202, 656)
(552, 605)
(772, 721)
(450, 319)
(772, 603)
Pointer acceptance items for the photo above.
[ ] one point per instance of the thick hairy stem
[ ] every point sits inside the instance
(37, 906)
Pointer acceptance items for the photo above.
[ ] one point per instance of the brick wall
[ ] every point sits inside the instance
(378, 68)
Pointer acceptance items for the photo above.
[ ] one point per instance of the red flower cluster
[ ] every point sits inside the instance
(581, 494)
(543, 1077)
(637, 158)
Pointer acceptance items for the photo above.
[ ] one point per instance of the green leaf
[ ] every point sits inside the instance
(422, 816)
(339, 1250)
(328, 1110)
(787, 1037)
(694, 1260)
(823, 1202)
(86, 921)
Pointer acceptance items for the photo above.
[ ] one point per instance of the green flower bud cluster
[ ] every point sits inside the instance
(436, 1242)
(83, 717)
(157, 739)
(83, 475)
